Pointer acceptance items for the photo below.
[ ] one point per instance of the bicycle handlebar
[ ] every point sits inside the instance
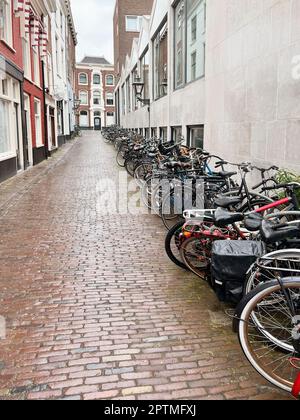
(280, 186)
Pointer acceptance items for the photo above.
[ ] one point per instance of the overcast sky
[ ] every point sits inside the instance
(94, 24)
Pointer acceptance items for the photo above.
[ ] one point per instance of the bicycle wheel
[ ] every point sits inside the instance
(120, 158)
(142, 172)
(195, 254)
(283, 263)
(173, 205)
(261, 345)
(130, 165)
(172, 245)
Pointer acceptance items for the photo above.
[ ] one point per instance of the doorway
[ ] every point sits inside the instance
(52, 127)
(97, 123)
(84, 119)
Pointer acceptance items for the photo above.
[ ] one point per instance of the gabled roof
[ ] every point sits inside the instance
(95, 60)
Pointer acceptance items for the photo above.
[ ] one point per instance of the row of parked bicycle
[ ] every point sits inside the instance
(244, 241)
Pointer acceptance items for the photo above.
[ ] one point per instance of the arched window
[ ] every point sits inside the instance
(83, 113)
(110, 99)
(96, 79)
(83, 96)
(110, 80)
(83, 79)
(97, 98)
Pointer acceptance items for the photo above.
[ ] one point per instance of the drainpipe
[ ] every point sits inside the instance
(45, 114)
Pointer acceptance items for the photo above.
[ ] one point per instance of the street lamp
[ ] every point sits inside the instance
(77, 103)
(164, 87)
(139, 85)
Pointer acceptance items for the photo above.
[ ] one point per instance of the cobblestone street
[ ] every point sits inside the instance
(94, 309)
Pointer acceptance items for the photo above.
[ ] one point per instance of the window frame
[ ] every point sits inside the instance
(97, 95)
(96, 75)
(8, 101)
(185, 44)
(6, 36)
(87, 79)
(113, 80)
(190, 128)
(87, 97)
(138, 20)
(156, 76)
(107, 99)
(38, 127)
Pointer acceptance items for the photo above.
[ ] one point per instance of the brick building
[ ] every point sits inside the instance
(127, 24)
(28, 107)
(95, 83)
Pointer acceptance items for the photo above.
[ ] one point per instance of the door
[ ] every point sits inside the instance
(18, 138)
(84, 120)
(52, 127)
(28, 129)
(97, 123)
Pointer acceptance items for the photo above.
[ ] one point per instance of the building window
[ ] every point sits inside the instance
(163, 133)
(154, 132)
(110, 114)
(110, 99)
(83, 96)
(176, 134)
(123, 100)
(147, 133)
(97, 98)
(128, 95)
(160, 46)
(134, 76)
(38, 123)
(189, 54)
(196, 27)
(5, 106)
(179, 43)
(133, 23)
(196, 136)
(36, 65)
(26, 56)
(109, 80)
(96, 79)
(144, 65)
(6, 21)
(97, 114)
(83, 79)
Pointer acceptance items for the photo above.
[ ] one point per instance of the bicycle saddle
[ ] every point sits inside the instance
(270, 234)
(225, 174)
(253, 222)
(226, 202)
(223, 218)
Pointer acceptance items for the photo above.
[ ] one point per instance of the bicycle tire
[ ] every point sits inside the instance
(172, 232)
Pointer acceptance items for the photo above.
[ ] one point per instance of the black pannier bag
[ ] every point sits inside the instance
(231, 261)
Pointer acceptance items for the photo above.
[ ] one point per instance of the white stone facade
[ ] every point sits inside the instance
(249, 98)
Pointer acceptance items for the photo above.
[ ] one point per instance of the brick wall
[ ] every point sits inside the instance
(122, 39)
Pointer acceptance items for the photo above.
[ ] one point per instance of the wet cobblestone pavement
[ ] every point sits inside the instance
(93, 307)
